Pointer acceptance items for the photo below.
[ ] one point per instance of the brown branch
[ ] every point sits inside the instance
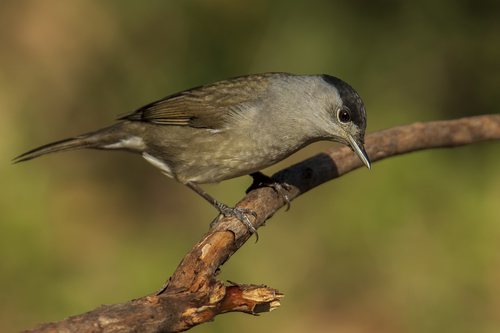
(193, 295)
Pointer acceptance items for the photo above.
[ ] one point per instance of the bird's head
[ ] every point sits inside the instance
(347, 117)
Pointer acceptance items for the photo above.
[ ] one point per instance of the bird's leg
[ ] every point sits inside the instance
(239, 213)
(260, 179)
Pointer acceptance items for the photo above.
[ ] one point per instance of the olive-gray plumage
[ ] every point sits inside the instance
(233, 127)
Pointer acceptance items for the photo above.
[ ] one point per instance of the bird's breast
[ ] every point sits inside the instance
(208, 156)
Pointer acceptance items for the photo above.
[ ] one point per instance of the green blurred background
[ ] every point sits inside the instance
(411, 246)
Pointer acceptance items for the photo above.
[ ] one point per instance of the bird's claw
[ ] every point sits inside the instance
(261, 179)
(280, 189)
(241, 214)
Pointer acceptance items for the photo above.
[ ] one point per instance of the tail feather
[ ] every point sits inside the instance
(101, 139)
(54, 147)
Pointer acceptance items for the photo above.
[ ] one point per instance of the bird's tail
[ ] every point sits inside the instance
(102, 139)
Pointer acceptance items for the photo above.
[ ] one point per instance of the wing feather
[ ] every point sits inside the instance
(206, 106)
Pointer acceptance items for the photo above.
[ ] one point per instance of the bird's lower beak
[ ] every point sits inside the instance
(360, 151)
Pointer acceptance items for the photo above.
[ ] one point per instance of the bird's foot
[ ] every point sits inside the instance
(241, 214)
(260, 179)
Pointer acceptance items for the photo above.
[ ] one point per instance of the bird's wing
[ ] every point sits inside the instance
(207, 106)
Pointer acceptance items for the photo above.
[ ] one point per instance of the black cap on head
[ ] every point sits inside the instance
(350, 98)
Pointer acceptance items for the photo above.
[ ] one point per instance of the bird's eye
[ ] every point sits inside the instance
(344, 115)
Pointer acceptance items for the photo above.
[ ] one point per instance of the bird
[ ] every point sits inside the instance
(232, 128)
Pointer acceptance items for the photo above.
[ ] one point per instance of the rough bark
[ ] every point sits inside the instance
(193, 295)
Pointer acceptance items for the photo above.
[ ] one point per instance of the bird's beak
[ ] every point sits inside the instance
(360, 151)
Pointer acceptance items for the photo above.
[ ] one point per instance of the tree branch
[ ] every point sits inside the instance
(193, 295)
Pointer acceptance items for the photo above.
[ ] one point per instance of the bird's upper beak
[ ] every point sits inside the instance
(359, 150)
